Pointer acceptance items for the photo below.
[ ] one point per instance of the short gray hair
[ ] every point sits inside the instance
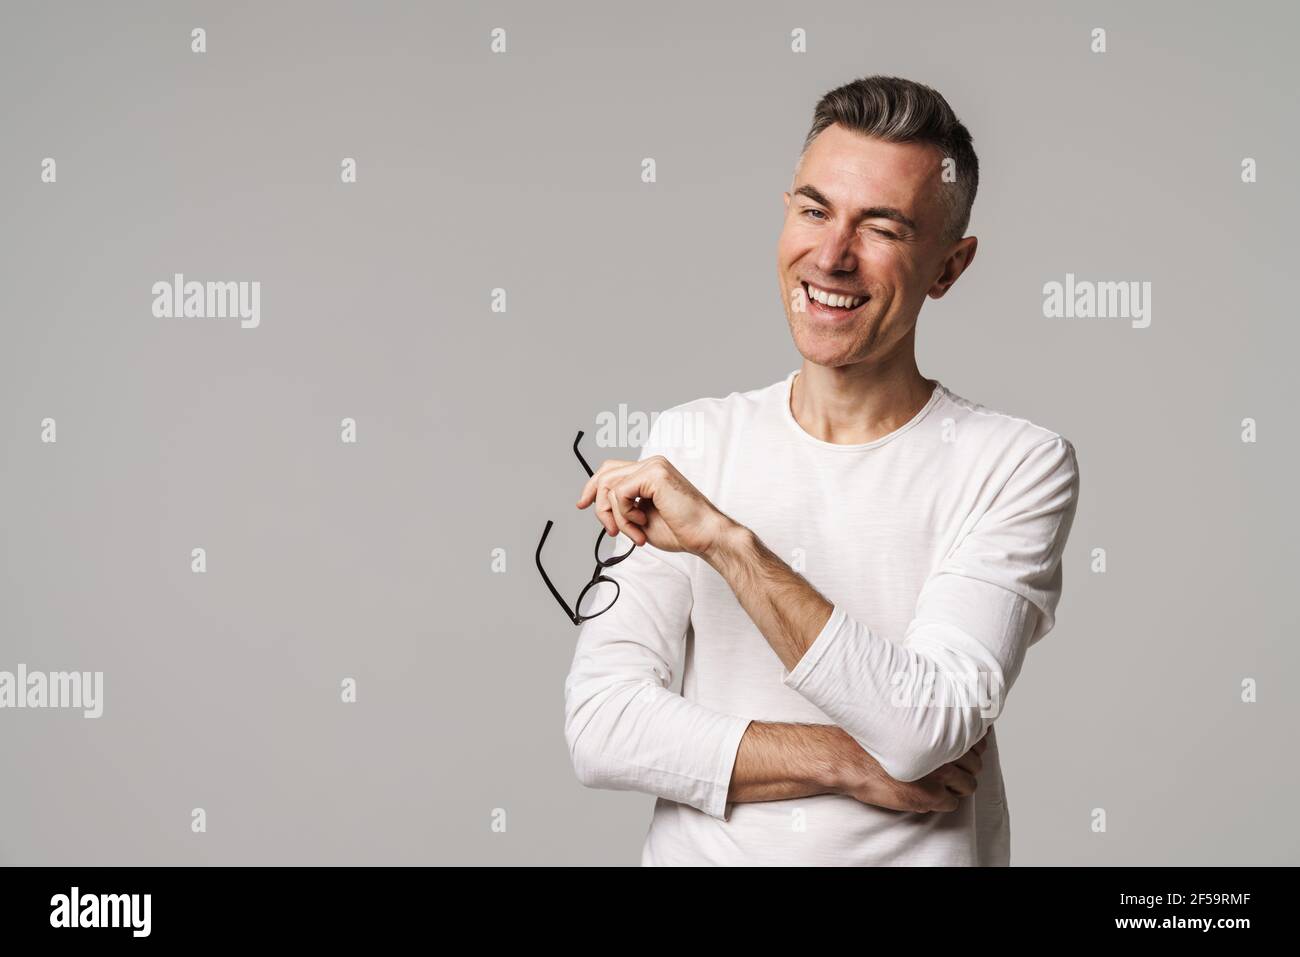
(895, 110)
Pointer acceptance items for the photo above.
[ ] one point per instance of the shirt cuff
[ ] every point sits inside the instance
(827, 637)
(717, 805)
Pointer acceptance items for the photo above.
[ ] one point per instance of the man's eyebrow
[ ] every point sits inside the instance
(871, 212)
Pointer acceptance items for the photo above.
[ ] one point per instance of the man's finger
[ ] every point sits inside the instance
(624, 526)
(971, 762)
(603, 512)
(961, 782)
(627, 488)
(588, 494)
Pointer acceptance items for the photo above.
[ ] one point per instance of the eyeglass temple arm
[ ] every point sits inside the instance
(547, 578)
(584, 461)
(579, 455)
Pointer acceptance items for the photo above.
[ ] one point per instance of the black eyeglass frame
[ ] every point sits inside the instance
(601, 564)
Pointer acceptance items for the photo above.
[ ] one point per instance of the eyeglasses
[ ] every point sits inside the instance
(599, 594)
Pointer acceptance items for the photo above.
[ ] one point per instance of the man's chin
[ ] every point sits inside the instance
(831, 351)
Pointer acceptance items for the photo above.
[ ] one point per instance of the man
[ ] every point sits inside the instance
(842, 716)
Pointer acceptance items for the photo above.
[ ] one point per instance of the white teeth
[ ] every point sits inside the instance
(830, 299)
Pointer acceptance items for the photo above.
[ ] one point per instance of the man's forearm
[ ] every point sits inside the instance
(779, 761)
(786, 608)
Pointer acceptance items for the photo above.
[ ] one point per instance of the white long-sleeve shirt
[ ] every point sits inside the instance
(939, 546)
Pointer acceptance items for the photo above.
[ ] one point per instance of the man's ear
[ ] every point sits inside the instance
(961, 256)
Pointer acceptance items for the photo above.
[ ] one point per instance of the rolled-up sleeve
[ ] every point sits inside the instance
(920, 703)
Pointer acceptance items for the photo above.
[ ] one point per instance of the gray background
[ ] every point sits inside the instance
(522, 171)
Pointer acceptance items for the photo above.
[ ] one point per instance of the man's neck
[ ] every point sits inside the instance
(856, 404)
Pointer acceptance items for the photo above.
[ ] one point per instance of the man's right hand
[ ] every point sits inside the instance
(940, 790)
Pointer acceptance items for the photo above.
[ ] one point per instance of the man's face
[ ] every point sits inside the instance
(865, 219)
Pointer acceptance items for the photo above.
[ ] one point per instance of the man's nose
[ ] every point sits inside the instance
(836, 252)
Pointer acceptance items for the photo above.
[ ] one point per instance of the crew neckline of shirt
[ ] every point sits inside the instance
(788, 415)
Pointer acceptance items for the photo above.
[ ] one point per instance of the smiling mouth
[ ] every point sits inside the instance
(829, 305)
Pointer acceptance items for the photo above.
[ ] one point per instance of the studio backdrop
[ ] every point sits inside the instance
(288, 542)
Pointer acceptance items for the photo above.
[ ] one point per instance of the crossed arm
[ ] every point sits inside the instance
(620, 724)
(627, 731)
(973, 620)
(779, 761)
